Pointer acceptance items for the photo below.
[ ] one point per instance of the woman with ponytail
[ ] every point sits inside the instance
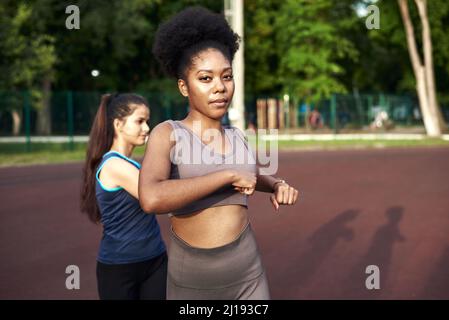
(132, 259)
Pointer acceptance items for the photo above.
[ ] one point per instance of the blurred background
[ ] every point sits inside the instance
(347, 74)
(300, 56)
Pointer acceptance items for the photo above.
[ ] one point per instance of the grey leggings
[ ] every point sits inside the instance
(233, 271)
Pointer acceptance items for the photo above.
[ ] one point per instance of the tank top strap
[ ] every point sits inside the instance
(106, 157)
(241, 136)
(115, 154)
(180, 134)
(173, 123)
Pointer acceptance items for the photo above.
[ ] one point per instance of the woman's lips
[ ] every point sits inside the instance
(219, 103)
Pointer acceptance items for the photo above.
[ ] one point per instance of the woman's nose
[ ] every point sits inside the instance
(219, 86)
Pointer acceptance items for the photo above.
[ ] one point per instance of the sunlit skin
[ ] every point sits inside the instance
(209, 86)
(130, 132)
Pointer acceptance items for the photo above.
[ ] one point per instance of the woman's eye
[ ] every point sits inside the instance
(229, 77)
(206, 78)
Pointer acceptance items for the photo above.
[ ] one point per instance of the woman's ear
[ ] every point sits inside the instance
(118, 125)
(182, 86)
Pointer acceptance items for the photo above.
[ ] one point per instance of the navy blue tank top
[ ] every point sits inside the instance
(129, 234)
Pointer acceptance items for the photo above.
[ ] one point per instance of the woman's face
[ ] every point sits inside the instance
(210, 84)
(134, 128)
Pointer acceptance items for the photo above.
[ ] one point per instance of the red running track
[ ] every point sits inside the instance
(388, 208)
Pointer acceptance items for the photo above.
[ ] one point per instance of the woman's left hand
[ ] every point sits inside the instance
(247, 191)
(283, 194)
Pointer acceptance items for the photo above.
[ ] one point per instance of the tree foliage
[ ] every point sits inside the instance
(308, 47)
(26, 54)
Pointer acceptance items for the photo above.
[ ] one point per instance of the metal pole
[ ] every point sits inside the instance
(286, 110)
(334, 113)
(234, 16)
(27, 121)
(370, 113)
(382, 100)
(70, 119)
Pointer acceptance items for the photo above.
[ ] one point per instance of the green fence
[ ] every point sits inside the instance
(338, 113)
(359, 111)
(71, 113)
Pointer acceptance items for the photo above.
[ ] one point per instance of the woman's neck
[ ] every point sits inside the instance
(206, 123)
(123, 148)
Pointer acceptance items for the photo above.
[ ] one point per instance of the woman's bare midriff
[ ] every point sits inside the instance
(212, 227)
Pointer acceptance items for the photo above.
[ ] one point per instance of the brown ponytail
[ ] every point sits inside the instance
(101, 136)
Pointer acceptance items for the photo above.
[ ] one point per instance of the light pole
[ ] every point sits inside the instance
(234, 15)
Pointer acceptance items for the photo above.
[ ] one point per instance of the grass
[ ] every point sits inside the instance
(360, 144)
(15, 154)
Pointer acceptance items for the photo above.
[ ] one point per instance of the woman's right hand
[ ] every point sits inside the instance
(244, 182)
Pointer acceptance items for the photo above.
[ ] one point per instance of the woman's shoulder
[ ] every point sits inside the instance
(164, 128)
(116, 164)
(114, 168)
(163, 133)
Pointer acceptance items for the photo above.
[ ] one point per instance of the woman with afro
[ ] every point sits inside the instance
(202, 173)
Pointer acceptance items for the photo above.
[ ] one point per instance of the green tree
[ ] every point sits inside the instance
(261, 54)
(27, 59)
(296, 46)
(309, 45)
(423, 67)
(115, 37)
(39, 54)
(385, 64)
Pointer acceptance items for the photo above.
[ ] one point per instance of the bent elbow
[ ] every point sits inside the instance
(149, 204)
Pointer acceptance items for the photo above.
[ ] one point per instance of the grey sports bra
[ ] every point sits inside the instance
(190, 157)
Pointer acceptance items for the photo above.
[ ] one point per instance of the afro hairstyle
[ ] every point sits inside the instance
(189, 32)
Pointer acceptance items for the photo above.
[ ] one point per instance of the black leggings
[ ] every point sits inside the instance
(146, 280)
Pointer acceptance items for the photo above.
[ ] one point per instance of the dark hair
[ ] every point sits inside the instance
(117, 106)
(189, 32)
